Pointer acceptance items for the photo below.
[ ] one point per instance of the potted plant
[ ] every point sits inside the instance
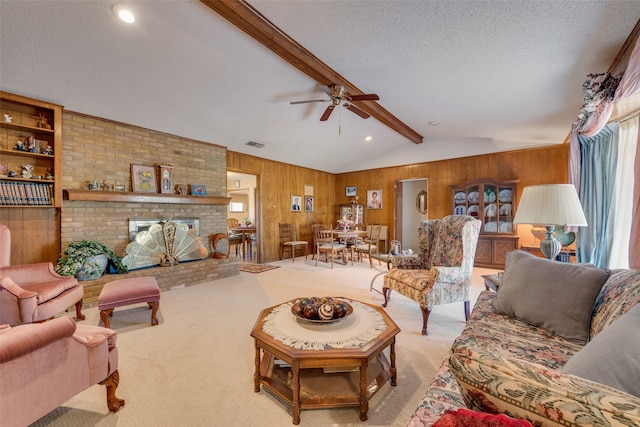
(87, 260)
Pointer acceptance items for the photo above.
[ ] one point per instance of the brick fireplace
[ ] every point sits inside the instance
(103, 150)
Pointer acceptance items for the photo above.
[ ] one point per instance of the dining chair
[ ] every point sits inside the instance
(314, 226)
(289, 241)
(369, 244)
(326, 244)
(235, 239)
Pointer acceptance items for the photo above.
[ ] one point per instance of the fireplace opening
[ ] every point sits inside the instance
(137, 225)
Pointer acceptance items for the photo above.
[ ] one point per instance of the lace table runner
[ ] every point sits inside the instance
(355, 330)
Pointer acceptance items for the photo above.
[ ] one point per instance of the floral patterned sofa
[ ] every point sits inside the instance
(547, 374)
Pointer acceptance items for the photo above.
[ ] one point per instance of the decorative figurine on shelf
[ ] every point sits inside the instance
(8, 118)
(41, 122)
(20, 146)
(2, 171)
(32, 146)
(48, 150)
(27, 171)
(49, 175)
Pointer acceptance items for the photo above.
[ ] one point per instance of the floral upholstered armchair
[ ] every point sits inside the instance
(440, 273)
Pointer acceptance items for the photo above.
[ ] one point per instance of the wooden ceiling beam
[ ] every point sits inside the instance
(245, 17)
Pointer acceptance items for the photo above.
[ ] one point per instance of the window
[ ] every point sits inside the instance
(236, 207)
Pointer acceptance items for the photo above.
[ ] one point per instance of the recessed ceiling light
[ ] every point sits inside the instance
(124, 13)
(368, 138)
(433, 123)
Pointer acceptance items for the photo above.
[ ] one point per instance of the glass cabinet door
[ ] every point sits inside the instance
(354, 213)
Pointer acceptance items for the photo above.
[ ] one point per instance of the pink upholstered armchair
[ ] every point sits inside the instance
(42, 365)
(440, 272)
(33, 292)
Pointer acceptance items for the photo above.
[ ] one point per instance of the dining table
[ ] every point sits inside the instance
(349, 238)
(246, 232)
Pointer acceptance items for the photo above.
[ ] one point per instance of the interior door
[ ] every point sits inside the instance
(410, 209)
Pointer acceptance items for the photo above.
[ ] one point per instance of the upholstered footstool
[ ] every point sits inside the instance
(126, 292)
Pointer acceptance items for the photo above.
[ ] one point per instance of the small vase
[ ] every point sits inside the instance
(92, 268)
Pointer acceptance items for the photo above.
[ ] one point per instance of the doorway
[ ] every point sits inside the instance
(411, 207)
(244, 206)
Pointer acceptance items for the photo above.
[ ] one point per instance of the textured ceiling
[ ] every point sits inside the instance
(495, 75)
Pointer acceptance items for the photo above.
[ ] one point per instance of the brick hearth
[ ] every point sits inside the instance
(183, 274)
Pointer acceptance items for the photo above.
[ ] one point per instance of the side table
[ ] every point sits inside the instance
(492, 281)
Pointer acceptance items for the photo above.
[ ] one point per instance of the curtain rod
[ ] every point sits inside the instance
(629, 116)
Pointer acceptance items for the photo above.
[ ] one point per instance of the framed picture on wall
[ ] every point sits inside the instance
(374, 199)
(198, 190)
(308, 204)
(308, 190)
(143, 179)
(295, 203)
(351, 191)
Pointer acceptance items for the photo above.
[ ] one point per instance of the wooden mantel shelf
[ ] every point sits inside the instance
(117, 196)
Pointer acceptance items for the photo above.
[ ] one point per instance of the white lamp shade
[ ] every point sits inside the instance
(553, 204)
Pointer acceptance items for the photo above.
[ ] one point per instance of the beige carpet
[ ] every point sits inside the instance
(196, 367)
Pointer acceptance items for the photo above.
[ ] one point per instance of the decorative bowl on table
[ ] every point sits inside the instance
(321, 309)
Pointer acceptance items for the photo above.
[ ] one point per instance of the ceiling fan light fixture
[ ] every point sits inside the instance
(124, 13)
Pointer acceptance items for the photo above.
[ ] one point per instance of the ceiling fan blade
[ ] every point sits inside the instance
(307, 102)
(356, 110)
(365, 97)
(327, 113)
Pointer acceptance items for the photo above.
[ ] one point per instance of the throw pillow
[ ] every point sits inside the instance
(465, 417)
(556, 296)
(612, 357)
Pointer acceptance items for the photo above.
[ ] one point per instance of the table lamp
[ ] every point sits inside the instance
(550, 205)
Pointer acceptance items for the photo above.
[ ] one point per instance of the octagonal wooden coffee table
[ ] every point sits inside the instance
(313, 365)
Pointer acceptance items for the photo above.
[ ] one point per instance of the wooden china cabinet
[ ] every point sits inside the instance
(353, 212)
(494, 204)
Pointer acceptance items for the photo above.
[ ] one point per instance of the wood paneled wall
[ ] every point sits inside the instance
(533, 166)
(35, 234)
(275, 184)
(278, 181)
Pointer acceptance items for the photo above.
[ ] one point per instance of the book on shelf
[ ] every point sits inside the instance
(18, 193)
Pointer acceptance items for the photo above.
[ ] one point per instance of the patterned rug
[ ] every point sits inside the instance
(256, 268)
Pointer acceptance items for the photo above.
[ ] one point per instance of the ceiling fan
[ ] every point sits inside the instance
(338, 96)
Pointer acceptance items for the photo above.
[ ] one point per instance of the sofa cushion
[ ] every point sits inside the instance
(556, 296)
(618, 295)
(511, 337)
(612, 357)
(413, 279)
(495, 384)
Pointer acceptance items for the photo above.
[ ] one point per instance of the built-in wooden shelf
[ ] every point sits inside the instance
(119, 196)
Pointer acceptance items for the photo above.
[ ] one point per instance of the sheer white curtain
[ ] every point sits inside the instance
(622, 203)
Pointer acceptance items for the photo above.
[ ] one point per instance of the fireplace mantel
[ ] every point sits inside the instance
(117, 196)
